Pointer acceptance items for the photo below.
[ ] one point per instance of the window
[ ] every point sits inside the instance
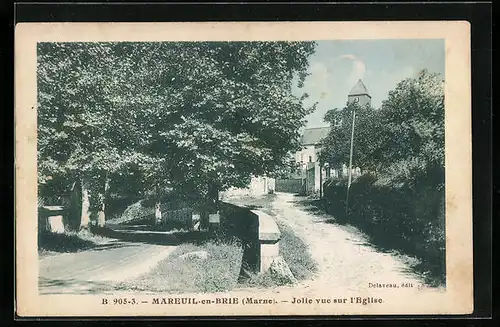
(310, 159)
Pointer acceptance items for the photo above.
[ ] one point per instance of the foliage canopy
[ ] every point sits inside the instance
(181, 115)
(401, 140)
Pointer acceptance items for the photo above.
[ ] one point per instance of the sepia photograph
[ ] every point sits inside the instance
(260, 176)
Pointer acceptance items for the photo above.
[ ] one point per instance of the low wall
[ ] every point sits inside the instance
(258, 186)
(51, 219)
(179, 217)
(258, 232)
(291, 185)
(269, 236)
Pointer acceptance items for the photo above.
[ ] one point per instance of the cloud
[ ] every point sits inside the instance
(318, 83)
(319, 73)
(347, 56)
(329, 82)
(337, 65)
(358, 67)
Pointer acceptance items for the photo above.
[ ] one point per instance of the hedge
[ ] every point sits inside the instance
(408, 218)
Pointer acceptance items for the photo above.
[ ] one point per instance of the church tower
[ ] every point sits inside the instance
(359, 94)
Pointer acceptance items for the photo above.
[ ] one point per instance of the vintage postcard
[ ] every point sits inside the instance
(243, 169)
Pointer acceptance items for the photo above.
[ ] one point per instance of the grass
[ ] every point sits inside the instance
(296, 253)
(292, 248)
(259, 203)
(218, 272)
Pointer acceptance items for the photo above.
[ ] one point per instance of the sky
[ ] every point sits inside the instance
(337, 65)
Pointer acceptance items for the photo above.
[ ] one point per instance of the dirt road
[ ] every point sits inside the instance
(348, 271)
(99, 269)
(342, 253)
(344, 259)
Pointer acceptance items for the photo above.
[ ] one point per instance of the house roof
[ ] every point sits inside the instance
(359, 89)
(313, 136)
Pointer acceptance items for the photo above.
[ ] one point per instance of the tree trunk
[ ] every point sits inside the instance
(73, 216)
(101, 219)
(158, 212)
(213, 197)
(210, 205)
(85, 215)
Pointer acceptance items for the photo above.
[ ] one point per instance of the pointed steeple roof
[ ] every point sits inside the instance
(359, 89)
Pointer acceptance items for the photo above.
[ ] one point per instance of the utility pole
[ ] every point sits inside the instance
(350, 159)
(320, 180)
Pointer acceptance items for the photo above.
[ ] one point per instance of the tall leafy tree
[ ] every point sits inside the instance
(197, 117)
(399, 141)
(367, 141)
(84, 131)
(413, 135)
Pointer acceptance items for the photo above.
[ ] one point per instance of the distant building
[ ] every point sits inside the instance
(312, 137)
(359, 94)
(307, 159)
(311, 144)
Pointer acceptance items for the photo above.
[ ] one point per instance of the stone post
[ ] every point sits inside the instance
(214, 221)
(269, 236)
(54, 218)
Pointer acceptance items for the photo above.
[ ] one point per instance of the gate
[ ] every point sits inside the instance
(290, 185)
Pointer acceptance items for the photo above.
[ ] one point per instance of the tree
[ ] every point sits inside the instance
(336, 146)
(197, 117)
(220, 112)
(413, 137)
(84, 132)
(402, 139)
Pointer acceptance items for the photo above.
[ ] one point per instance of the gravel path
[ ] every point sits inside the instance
(346, 262)
(99, 269)
(344, 257)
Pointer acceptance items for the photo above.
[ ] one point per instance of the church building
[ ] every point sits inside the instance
(307, 158)
(359, 94)
(312, 137)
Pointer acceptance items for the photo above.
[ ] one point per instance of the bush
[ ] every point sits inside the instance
(134, 213)
(117, 205)
(403, 141)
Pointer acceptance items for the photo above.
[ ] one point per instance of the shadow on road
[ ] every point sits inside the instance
(119, 236)
(71, 243)
(313, 206)
(143, 234)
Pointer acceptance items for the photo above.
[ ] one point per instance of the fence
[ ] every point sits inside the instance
(311, 180)
(173, 218)
(258, 186)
